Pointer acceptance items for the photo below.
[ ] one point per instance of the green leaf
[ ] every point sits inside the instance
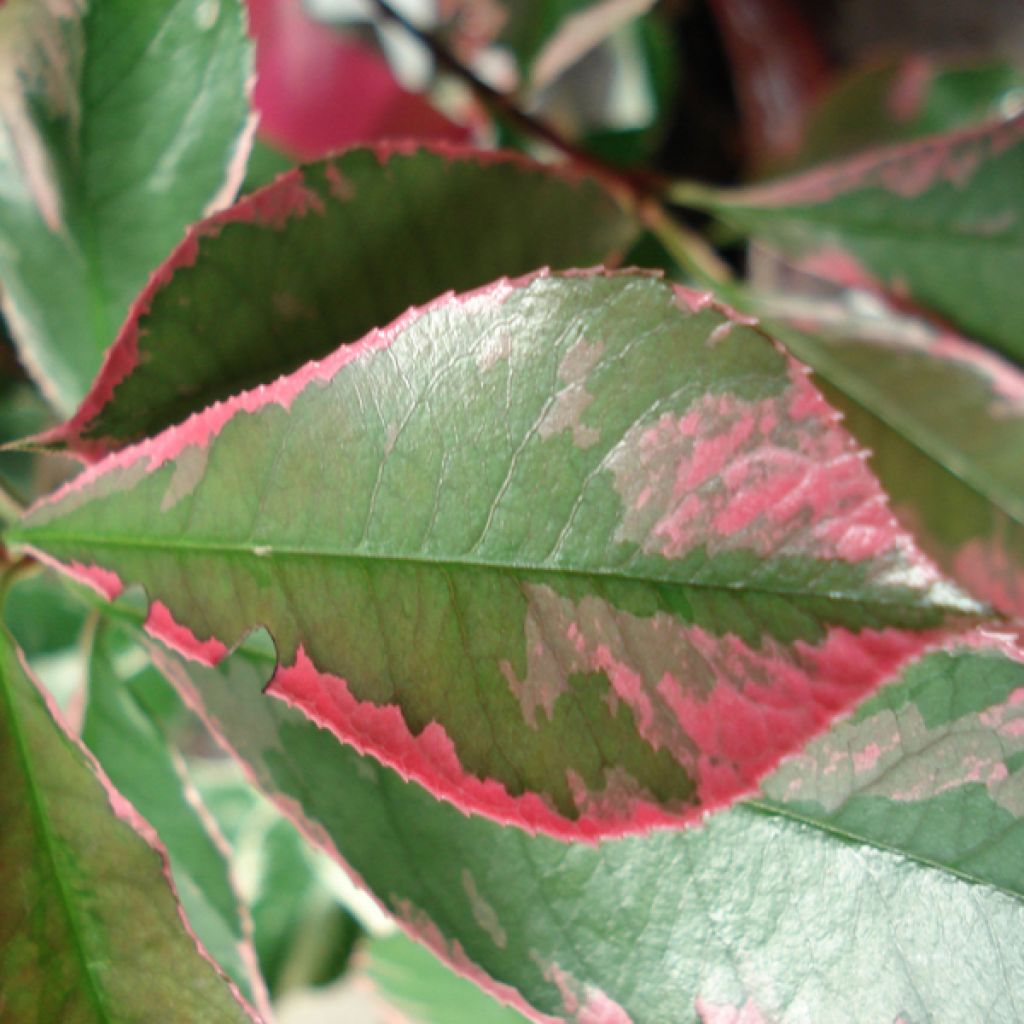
(944, 421)
(859, 914)
(895, 100)
(120, 123)
(132, 719)
(324, 255)
(89, 928)
(531, 545)
(426, 990)
(939, 221)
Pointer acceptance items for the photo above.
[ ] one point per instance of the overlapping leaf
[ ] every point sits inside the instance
(130, 717)
(939, 221)
(580, 552)
(89, 927)
(120, 123)
(944, 421)
(814, 912)
(324, 255)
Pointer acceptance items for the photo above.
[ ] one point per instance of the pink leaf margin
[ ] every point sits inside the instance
(272, 206)
(430, 758)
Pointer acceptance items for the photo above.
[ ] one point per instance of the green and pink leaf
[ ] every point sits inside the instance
(76, 862)
(937, 223)
(323, 255)
(713, 578)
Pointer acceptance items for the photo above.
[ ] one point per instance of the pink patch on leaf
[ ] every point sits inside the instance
(778, 476)
(765, 703)
(718, 1013)
(910, 89)
(582, 1004)
(429, 758)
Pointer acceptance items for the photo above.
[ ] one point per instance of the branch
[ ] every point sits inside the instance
(641, 184)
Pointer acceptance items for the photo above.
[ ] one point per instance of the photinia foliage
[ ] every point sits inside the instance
(435, 563)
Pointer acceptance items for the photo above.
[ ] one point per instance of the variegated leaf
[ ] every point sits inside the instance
(584, 553)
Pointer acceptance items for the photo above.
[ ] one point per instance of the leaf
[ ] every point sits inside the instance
(324, 255)
(426, 990)
(944, 420)
(775, 914)
(120, 123)
(709, 546)
(930, 766)
(904, 98)
(88, 925)
(939, 221)
(129, 723)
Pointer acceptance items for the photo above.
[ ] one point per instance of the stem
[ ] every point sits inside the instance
(685, 246)
(641, 184)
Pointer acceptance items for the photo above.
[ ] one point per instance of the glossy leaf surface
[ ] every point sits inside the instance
(132, 719)
(324, 255)
(711, 577)
(952, 467)
(89, 926)
(938, 221)
(782, 916)
(120, 123)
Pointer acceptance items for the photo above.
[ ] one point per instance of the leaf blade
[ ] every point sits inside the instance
(938, 221)
(602, 638)
(68, 954)
(753, 911)
(323, 255)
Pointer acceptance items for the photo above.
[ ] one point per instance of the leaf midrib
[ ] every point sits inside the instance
(274, 551)
(763, 805)
(43, 829)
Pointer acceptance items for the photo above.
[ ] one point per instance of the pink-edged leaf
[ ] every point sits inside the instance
(583, 552)
(318, 91)
(134, 725)
(778, 67)
(323, 255)
(937, 222)
(944, 421)
(824, 908)
(89, 926)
